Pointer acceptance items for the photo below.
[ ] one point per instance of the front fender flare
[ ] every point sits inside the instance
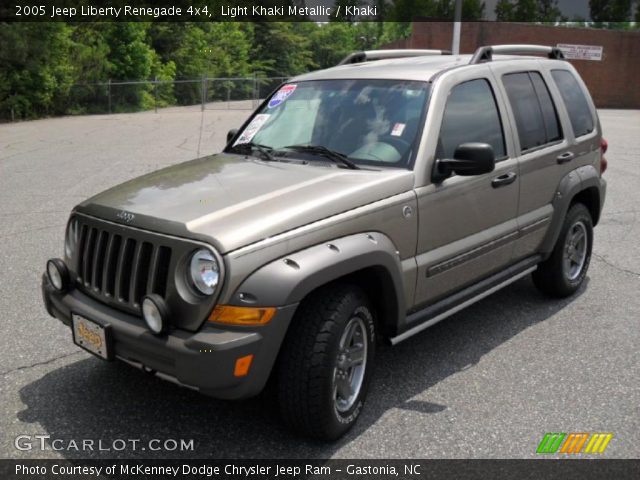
(289, 279)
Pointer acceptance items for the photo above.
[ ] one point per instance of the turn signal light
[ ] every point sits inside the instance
(242, 366)
(230, 315)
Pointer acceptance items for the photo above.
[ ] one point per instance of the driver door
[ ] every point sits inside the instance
(467, 224)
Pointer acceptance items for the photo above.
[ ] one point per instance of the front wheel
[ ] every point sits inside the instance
(326, 362)
(564, 271)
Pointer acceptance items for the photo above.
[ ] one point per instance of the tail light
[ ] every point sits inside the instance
(603, 149)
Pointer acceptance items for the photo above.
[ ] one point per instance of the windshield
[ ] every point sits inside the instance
(372, 122)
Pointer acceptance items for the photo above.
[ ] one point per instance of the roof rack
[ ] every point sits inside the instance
(368, 55)
(485, 54)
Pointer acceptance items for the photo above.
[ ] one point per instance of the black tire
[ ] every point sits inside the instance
(552, 276)
(307, 396)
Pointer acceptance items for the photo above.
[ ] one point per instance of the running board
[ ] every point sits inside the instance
(432, 320)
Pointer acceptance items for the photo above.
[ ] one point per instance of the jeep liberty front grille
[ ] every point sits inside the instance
(118, 267)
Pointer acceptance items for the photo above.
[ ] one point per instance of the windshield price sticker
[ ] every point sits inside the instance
(253, 128)
(398, 129)
(281, 95)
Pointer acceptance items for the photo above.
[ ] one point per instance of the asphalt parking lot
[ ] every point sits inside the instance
(487, 383)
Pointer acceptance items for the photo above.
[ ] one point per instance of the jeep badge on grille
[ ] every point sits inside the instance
(126, 217)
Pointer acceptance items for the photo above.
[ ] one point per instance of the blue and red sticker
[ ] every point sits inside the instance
(281, 95)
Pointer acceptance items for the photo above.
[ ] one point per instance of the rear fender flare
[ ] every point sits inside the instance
(571, 184)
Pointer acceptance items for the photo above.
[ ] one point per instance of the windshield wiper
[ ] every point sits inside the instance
(336, 157)
(265, 150)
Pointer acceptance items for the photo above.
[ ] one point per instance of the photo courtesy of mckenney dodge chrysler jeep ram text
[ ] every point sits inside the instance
(358, 204)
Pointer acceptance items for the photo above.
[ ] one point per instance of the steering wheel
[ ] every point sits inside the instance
(398, 143)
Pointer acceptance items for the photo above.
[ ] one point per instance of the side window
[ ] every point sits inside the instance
(533, 109)
(549, 114)
(575, 101)
(470, 115)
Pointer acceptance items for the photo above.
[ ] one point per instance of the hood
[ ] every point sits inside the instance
(234, 201)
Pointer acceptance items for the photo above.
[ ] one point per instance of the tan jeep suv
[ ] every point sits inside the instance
(357, 204)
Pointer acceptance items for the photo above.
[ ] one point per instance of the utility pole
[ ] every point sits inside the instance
(457, 21)
(203, 91)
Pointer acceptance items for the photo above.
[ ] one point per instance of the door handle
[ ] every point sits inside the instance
(503, 180)
(565, 157)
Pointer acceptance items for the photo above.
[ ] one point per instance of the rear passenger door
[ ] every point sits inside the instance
(544, 153)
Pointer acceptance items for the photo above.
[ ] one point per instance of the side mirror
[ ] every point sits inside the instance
(231, 133)
(468, 159)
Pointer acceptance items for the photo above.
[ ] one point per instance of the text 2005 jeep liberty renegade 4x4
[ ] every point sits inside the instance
(358, 203)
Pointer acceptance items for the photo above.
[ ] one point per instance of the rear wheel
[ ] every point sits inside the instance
(564, 271)
(326, 362)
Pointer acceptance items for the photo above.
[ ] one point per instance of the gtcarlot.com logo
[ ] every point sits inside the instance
(45, 442)
(573, 443)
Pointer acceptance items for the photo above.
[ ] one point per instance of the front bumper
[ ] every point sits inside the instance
(203, 361)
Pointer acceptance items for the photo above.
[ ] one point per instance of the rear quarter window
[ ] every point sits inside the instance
(575, 101)
(549, 114)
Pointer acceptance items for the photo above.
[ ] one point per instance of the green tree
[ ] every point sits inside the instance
(214, 49)
(392, 31)
(471, 9)
(228, 56)
(90, 52)
(366, 35)
(504, 10)
(548, 11)
(280, 49)
(167, 37)
(528, 11)
(35, 68)
(331, 42)
(606, 11)
(229, 49)
(130, 58)
(163, 75)
(341, 7)
(406, 10)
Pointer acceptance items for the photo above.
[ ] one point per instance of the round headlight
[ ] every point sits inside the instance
(155, 313)
(71, 238)
(57, 274)
(204, 271)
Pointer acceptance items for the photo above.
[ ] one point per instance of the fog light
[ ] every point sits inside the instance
(57, 274)
(155, 313)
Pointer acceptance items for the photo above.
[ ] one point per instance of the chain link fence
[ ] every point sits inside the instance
(233, 93)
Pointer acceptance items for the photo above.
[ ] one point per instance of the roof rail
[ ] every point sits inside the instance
(485, 54)
(368, 55)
